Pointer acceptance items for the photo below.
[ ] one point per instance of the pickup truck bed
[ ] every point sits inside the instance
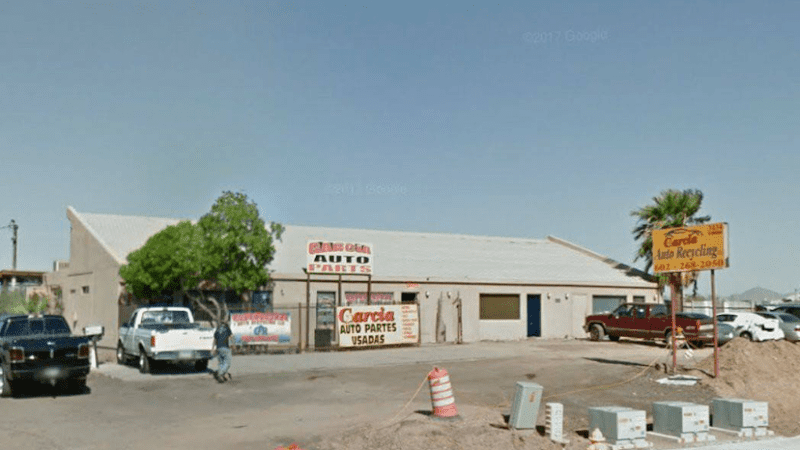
(166, 334)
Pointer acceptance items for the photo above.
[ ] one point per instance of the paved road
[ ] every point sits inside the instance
(352, 359)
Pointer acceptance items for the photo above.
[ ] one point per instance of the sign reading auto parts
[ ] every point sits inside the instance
(686, 249)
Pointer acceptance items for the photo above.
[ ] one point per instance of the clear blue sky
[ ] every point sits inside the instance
(522, 119)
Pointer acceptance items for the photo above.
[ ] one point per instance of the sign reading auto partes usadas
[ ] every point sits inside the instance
(687, 249)
(338, 257)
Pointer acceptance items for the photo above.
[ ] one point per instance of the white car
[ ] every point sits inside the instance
(752, 326)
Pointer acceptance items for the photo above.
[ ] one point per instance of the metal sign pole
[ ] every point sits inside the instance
(673, 333)
(714, 316)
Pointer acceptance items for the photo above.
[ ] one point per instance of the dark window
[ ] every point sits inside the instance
(85, 289)
(408, 297)
(499, 307)
(658, 310)
(606, 303)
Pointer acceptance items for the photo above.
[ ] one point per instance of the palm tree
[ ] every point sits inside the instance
(672, 208)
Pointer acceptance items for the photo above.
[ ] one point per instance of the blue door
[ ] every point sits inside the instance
(535, 315)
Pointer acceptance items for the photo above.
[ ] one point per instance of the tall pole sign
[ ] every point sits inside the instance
(691, 249)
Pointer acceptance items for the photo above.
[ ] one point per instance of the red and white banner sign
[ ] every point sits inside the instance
(338, 257)
(360, 298)
(362, 326)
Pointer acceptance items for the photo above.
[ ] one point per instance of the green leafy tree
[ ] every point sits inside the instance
(12, 301)
(672, 208)
(229, 248)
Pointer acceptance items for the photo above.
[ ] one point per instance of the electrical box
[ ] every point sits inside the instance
(619, 424)
(736, 414)
(525, 409)
(680, 418)
(554, 422)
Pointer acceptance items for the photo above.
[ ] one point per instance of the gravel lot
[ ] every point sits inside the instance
(320, 400)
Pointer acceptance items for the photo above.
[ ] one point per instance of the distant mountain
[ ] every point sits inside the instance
(757, 294)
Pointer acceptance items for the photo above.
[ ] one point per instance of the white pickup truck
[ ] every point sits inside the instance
(164, 333)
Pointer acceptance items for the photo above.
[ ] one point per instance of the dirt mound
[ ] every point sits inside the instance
(764, 371)
(477, 428)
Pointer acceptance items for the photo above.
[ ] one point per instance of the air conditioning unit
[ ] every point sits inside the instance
(748, 417)
(620, 425)
(689, 422)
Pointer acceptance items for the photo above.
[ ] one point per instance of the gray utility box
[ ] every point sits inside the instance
(680, 419)
(619, 424)
(736, 414)
(525, 409)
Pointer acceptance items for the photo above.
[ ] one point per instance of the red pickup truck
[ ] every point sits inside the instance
(647, 321)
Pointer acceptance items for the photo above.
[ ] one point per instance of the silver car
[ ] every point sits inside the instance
(789, 323)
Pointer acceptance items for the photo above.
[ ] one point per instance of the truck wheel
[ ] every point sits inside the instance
(121, 357)
(747, 336)
(5, 385)
(77, 385)
(144, 362)
(596, 332)
(667, 336)
(201, 365)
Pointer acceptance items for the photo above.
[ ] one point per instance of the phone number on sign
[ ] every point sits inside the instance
(691, 265)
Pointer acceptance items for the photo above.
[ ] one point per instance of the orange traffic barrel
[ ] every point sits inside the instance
(444, 404)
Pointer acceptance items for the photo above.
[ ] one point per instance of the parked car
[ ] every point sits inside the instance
(790, 324)
(647, 321)
(791, 308)
(168, 334)
(725, 332)
(752, 326)
(41, 348)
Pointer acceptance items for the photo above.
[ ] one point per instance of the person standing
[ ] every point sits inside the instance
(222, 337)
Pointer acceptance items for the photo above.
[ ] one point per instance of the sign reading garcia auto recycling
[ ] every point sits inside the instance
(360, 326)
(687, 249)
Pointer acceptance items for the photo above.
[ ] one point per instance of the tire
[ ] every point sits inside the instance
(122, 358)
(667, 336)
(201, 365)
(596, 332)
(747, 335)
(613, 338)
(77, 385)
(144, 362)
(5, 384)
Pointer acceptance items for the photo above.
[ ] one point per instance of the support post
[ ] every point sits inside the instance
(714, 316)
(674, 331)
(308, 308)
(300, 325)
(369, 289)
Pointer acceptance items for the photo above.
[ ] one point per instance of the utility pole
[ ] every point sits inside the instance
(14, 227)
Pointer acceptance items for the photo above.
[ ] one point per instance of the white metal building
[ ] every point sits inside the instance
(505, 288)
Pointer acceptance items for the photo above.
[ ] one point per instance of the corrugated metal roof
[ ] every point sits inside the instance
(408, 255)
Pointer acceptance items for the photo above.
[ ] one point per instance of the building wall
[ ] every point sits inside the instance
(90, 285)
(563, 308)
(91, 290)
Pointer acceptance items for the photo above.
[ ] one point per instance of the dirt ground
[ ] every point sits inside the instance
(375, 407)
(757, 371)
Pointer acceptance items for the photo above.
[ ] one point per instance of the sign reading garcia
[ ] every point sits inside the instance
(339, 257)
(360, 326)
(686, 249)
